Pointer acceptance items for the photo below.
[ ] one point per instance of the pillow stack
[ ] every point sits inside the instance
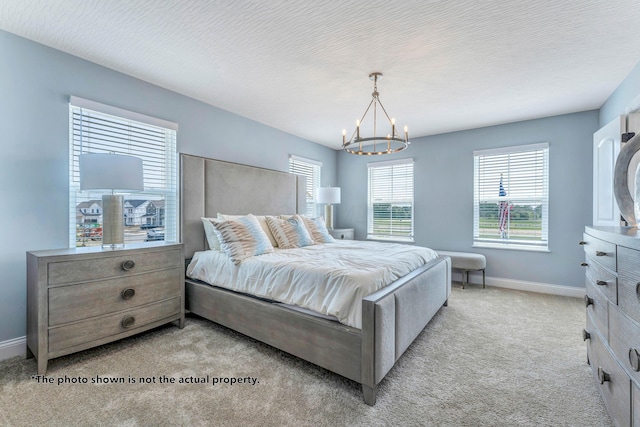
(244, 236)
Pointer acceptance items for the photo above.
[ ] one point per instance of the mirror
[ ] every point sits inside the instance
(624, 178)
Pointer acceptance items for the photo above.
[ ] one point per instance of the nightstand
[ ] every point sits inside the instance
(85, 297)
(342, 233)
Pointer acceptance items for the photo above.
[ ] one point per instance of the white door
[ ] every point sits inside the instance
(606, 146)
(633, 125)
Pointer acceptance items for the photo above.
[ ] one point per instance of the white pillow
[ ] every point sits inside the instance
(289, 232)
(262, 219)
(241, 238)
(212, 238)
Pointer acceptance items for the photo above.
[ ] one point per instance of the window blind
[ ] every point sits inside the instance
(310, 169)
(390, 200)
(150, 214)
(511, 197)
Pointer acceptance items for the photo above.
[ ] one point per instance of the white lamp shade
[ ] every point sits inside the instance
(110, 172)
(328, 195)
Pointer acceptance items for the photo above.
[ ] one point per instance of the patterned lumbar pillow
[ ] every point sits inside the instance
(241, 238)
(289, 232)
(318, 230)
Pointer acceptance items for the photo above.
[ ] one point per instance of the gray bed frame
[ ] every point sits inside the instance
(391, 317)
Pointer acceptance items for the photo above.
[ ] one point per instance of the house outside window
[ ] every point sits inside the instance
(99, 128)
(390, 200)
(310, 169)
(511, 197)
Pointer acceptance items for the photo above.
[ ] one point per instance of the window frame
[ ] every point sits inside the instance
(298, 165)
(484, 178)
(160, 173)
(400, 198)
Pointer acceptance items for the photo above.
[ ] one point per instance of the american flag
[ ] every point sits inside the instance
(504, 208)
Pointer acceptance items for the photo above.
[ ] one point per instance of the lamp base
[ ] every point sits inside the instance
(112, 220)
(328, 216)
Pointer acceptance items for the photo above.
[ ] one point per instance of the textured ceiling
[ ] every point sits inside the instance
(301, 66)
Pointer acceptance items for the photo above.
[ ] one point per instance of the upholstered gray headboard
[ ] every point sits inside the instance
(209, 186)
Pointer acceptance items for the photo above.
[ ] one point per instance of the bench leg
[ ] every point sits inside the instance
(463, 272)
(483, 282)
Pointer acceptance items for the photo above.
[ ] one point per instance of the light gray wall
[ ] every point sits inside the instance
(624, 99)
(36, 81)
(444, 193)
(35, 84)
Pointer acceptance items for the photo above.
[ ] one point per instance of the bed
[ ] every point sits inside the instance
(391, 317)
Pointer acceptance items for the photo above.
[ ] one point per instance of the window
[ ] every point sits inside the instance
(310, 169)
(390, 200)
(98, 128)
(511, 197)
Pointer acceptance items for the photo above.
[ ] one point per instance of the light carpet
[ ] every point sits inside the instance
(492, 357)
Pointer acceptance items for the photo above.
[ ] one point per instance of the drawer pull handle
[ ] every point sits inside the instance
(588, 301)
(634, 359)
(584, 264)
(128, 293)
(128, 321)
(585, 335)
(638, 289)
(600, 253)
(601, 283)
(603, 377)
(128, 264)
(582, 242)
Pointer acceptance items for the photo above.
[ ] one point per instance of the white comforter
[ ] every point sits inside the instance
(330, 278)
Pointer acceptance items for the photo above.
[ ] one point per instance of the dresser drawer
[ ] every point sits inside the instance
(597, 308)
(81, 301)
(97, 328)
(624, 340)
(603, 279)
(629, 282)
(613, 382)
(603, 252)
(121, 263)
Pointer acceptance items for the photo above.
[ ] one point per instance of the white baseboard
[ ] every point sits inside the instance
(522, 285)
(13, 348)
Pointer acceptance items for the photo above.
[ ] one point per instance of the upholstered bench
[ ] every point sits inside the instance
(466, 262)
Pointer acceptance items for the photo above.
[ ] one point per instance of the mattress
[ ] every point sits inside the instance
(330, 279)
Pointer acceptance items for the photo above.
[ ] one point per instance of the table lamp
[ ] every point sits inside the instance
(329, 196)
(111, 172)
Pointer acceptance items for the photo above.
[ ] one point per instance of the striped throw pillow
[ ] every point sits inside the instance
(289, 232)
(241, 238)
(261, 219)
(318, 230)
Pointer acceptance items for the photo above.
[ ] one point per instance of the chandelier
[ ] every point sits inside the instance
(376, 144)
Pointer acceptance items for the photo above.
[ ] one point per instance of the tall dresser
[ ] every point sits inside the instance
(612, 332)
(81, 298)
